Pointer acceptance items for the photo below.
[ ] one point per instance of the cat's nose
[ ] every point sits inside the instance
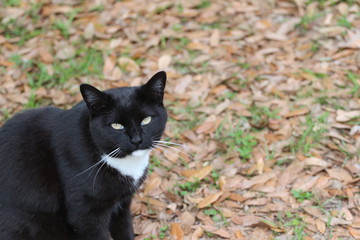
(136, 140)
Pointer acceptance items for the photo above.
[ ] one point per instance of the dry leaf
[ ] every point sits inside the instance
(128, 64)
(209, 200)
(65, 52)
(164, 62)
(187, 218)
(45, 55)
(344, 116)
(176, 233)
(198, 174)
(222, 233)
(354, 232)
(297, 112)
(340, 174)
(313, 161)
(197, 233)
(89, 31)
(320, 225)
(259, 179)
(215, 38)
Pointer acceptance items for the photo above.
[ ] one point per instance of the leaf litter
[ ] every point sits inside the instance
(263, 96)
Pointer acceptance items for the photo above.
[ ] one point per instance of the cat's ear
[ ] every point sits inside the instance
(154, 88)
(95, 99)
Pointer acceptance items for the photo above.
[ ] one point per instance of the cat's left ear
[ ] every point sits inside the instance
(154, 88)
(95, 99)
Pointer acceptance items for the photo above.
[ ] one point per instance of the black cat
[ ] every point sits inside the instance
(71, 174)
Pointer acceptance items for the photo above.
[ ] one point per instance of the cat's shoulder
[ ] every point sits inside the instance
(33, 117)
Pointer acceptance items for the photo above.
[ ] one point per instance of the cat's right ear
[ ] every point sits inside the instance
(95, 100)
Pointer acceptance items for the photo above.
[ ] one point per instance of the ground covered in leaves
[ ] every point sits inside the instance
(263, 98)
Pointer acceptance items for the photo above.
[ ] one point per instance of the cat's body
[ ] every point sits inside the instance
(71, 174)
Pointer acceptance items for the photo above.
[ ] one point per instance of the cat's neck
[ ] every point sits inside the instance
(133, 165)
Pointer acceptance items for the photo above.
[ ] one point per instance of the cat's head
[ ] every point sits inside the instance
(128, 118)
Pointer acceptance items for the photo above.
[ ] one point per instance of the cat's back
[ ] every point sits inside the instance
(26, 156)
(31, 189)
(28, 128)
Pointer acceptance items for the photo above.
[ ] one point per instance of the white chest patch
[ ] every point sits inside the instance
(132, 165)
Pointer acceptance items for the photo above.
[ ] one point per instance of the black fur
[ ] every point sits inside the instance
(44, 191)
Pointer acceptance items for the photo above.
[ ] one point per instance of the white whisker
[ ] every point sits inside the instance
(111, 154)
(97, 174)
(175, 149)
(101, 160)
(171, 153)
(87, 169)
(171, 143)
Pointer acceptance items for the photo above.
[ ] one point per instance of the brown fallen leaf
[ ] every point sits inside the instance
(354, 232)
(152, 201)
(260, 234)
(65, 52)
(222, 233)
(45, 55)
(187, 218)
(176, 233)
(208, 126)
(197, 46)
(209, 200)
(259, 179)
(128, 64)
(320, 225)
(344, 116)
(239, 235)
(340, 174)
(297, 112)
(164, 62)
(314, 161)
(198, 174)
(197, 233)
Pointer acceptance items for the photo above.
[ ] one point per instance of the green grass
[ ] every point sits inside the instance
(236, 140)
(186, 64)
(314, 74)
(312, 134)
(32, 102)
(35, 12)
(163, 8)
(16, 29)
(307, 21)
(203, 4)
(163, 232)
(187, 188)
(342, 21)
(87, 62)
(260, 116)
(301, 195)
(64, 25)
(355, 81)
(292, 221)
(11, 3)
(98, 8)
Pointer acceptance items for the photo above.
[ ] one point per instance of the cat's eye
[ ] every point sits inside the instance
(117, 126)
(146, 121)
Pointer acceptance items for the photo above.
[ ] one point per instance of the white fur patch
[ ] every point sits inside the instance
(132, 165)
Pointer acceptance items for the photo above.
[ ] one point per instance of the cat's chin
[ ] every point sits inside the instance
(140, 152)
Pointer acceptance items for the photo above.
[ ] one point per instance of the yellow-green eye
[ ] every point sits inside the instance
(117, 126)
(146, 121)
